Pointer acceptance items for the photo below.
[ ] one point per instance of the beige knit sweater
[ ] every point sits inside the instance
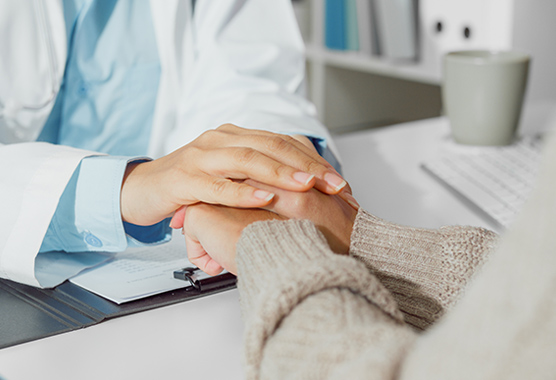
(312, 314)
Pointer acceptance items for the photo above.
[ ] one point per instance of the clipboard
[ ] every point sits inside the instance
(28, 313)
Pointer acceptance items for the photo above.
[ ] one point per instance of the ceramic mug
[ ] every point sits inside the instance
(482, 93)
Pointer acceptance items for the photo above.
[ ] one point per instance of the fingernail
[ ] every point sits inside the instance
(351, 200)
(335, 181)
(303, 178)
(264, 195)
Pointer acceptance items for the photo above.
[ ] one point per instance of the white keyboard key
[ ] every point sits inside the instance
(497, 180)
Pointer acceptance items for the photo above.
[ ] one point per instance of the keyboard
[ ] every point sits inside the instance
(497, 180)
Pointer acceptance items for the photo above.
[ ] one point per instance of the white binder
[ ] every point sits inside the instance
(397, 28)
(366, 20)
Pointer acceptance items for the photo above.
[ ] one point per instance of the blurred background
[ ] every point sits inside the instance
(374, 63)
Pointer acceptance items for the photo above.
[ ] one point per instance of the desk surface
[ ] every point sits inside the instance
(201, 339)
(383, 167)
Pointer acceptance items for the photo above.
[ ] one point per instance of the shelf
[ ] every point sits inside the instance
(351, 89)
(352, 60)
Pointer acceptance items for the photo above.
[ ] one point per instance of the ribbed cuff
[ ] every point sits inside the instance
(425, 269)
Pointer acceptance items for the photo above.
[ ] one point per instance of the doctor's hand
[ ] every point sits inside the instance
(208, 169)
(212, 232)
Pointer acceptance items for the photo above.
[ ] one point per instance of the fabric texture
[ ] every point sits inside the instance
(105, 105)
(487, 303)
(88, 217)
(425, 270)
(110, 83)
(283, 310)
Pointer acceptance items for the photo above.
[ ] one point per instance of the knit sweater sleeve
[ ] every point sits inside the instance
(425, 269)
(310, 313)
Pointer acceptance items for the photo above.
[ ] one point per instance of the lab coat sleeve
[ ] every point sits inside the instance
(34, 176)
(57, 198)
(88, 217)
(243, 62)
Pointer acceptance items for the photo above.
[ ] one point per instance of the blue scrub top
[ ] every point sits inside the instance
(107, 98)
(105, 104)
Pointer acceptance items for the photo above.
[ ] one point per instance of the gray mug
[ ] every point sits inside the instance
(483, 93)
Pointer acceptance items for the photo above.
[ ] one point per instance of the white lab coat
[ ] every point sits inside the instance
(238, 61)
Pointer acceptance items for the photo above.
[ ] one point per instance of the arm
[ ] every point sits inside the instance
(88, 218)
(202, 171)
(425, 269)
(209, 169)
(34, 176)
(308, 311)
(57, 198)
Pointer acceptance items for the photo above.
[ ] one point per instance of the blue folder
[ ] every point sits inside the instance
(334, 24)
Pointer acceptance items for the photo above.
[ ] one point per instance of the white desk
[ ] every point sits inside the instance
(383, 169)
(201, 339)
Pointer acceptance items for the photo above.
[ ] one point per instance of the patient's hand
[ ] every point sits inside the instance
(212, 232)
(334, 215)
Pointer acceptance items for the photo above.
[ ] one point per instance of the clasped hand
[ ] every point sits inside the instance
(212, 232)
(231, 177)
(208, 169)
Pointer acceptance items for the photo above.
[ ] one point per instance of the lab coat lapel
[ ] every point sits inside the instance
(167, 16)
(32, 69)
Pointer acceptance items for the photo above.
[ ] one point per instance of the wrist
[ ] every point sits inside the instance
(128, 192)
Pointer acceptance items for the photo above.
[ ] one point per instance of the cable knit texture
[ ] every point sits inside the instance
(425, 270)
(311, 314)
(288, 276)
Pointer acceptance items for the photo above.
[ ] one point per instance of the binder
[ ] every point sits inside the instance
(368, 41)
(352, 29)
(28, 313)
(397, 28)
(334, 24)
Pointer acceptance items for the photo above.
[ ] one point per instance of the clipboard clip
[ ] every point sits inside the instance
(202, 282)
(189, 274)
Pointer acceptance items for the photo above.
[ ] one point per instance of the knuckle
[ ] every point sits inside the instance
(277, 171)
(212, 137)
(245, 156)
(240, 191)
(226, 127)
(313, 167)
(206, 136)
(218, 188)
(277, 143)
(227, 193)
